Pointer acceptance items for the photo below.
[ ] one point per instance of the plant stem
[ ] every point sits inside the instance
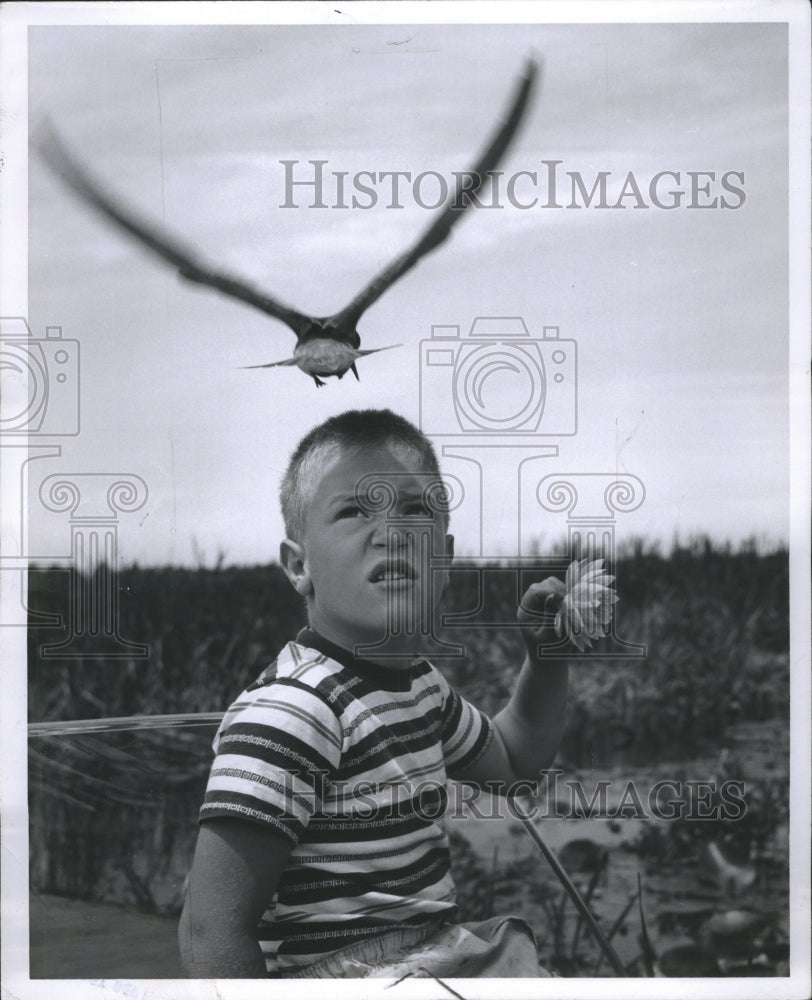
(615, 928)
(572, 892)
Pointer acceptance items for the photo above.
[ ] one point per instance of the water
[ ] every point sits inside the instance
(114, 820)
(692, 872)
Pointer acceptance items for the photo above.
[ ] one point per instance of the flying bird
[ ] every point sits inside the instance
(328, 345)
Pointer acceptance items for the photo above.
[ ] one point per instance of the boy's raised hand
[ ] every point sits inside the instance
(537, 610)
(580, 609)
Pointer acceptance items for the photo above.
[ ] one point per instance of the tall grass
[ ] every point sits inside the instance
(714, 622)
(208, 632)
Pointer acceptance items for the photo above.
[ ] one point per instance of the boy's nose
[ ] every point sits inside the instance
(380, 532)
(386, 536)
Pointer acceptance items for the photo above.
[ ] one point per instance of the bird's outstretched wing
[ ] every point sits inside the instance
(273, 364)
(342, 325)
(440, 229)
(374, 350)
(54, 152)
(354, 353)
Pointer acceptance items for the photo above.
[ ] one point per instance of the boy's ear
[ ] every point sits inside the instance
(292, 558)
(449, 553)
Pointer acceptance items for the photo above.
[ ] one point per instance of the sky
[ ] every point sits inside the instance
(680, 316)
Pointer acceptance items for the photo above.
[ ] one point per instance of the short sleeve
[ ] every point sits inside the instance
(465, 732)
(275, 750)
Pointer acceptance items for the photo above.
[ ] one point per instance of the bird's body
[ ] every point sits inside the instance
(327, 346)
(322, 356)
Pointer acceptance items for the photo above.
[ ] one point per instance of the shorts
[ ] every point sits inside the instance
(499, 947)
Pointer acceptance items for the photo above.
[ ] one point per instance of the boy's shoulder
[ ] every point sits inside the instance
(300, 685)
(299, 666)
(299, 662)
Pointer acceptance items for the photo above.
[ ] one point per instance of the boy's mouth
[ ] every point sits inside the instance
(390, 570)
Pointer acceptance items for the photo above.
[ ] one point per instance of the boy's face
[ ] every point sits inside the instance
(361, 576)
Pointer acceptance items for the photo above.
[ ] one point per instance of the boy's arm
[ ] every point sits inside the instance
(528, 730)
(235, 873)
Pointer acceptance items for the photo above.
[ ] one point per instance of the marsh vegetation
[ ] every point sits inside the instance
(113, 813)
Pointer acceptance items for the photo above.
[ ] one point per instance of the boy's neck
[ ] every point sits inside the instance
(388, 657)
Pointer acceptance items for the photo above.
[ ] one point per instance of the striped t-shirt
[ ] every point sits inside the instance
(349, 760)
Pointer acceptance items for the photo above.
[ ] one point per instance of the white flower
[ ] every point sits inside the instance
(586, 610)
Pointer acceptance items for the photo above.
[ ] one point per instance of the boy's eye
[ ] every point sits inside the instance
(417, 510)
(350, 511)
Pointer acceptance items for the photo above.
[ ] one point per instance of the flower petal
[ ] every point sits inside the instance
(586, 610)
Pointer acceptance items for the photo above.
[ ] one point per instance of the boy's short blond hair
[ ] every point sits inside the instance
(351, 429)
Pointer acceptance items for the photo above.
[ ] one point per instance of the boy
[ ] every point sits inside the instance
(317, 854)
